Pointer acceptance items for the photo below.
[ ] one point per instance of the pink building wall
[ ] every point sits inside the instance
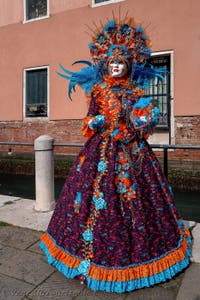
(13, 11)
(61, 38)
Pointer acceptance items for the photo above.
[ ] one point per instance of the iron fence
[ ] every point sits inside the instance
(164, 147)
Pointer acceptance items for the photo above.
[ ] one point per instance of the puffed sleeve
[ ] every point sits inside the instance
(93, 121)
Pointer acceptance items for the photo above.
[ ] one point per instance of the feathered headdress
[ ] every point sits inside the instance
(114, 39)
(120, 39)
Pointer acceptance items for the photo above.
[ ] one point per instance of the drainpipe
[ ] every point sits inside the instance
(44, 174)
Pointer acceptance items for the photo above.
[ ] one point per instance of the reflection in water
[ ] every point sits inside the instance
(188, 203)
(23, 186)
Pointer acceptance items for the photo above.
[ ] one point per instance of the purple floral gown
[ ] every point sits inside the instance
(115, 224)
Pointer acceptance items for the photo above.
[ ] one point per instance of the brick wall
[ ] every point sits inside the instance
(68, 131)
(187, 131)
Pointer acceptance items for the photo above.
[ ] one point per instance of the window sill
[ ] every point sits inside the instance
(93, 5)
(36, 19)
(35, 119)
(160, 129)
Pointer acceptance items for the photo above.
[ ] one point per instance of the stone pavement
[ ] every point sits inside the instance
(25, 274)
(20, 212)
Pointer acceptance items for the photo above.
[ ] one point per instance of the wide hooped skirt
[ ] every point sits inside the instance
(115, 224)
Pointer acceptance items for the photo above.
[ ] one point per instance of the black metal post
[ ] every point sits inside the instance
(165, 161)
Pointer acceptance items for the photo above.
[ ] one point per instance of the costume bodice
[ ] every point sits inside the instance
(115, 99)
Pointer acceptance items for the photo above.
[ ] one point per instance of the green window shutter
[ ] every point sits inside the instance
(36, 92)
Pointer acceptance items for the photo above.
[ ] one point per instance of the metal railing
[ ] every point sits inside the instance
(44, 166)
(165, 152)
(164, 147)
(16, 144)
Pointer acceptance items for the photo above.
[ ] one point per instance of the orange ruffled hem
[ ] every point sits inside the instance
(121, 274)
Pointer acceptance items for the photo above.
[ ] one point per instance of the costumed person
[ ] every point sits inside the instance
(115, 226)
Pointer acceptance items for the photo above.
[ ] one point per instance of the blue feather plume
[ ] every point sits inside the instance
(82, 62)
(142, 102)
(85, 78)
(142, 74)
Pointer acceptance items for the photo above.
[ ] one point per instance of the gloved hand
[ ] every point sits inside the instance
(98, 121)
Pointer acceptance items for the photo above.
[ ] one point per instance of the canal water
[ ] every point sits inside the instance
(188, 203)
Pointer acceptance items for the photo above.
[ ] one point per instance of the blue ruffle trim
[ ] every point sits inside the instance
(128, 286)
(118, 286)
(68, 272)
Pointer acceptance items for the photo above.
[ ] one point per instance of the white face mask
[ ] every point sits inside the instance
(117, 68)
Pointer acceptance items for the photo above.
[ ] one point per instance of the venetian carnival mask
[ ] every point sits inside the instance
(117, 67)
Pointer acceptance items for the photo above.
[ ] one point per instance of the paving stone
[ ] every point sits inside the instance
(57, 286)
(6, 253)
(18, 237)
(88, 294)
(29, 267)
(152, 293)
(22, 213)
(36, 248)
(196, 244)
(13, 289)
(190, 287)
(189, 224)
(6, 198)
(165, 291)
(173, 284)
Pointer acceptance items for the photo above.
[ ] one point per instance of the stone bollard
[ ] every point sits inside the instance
(44, 174)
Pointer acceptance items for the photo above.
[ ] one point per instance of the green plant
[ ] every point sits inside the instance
(4, 224)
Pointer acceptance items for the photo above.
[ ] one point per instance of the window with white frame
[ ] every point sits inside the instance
(160, 90)
(101, 2)
(36, 92)
(35, 9)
